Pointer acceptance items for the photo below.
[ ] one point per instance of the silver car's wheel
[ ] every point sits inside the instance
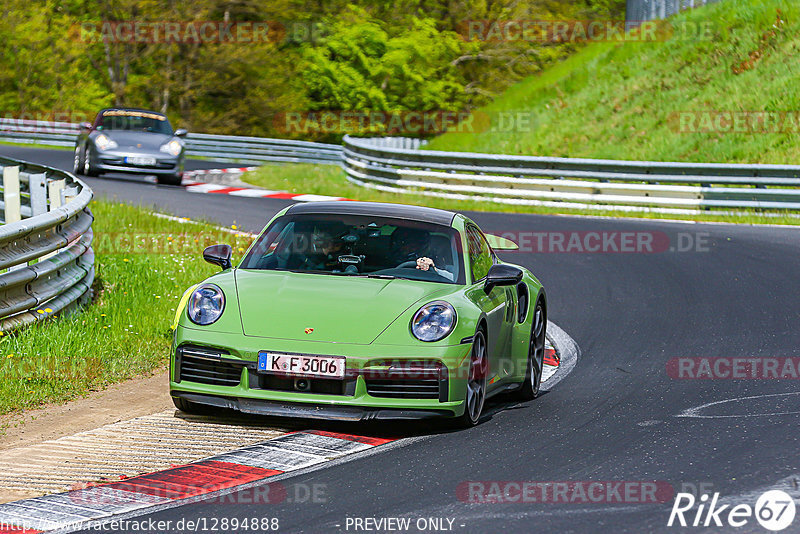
(88, 170)
(77, 164)
(476, 381)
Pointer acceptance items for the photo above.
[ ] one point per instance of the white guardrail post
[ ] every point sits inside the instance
(46, 256)
(11, 204)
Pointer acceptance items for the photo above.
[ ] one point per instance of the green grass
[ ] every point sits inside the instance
(143, 266)
(330, 180)
(37, 145)
(622, 100)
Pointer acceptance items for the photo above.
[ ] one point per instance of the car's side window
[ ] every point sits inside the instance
(480, 255)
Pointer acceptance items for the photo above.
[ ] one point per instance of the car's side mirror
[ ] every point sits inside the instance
(502, 275)
(85, 126)
(219, 255)
(181, 132)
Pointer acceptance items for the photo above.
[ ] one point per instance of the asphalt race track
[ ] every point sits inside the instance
(614, 418)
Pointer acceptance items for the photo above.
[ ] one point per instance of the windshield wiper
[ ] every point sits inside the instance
(342, 273)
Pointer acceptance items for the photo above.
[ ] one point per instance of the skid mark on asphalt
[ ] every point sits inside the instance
(121, 450)
(750, 408)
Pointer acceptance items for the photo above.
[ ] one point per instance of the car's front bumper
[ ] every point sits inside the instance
(115, 161)
(308, 410)
(239, 385)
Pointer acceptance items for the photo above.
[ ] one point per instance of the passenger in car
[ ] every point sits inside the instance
(410, 245)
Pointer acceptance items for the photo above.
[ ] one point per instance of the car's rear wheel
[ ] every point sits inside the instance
(476, 382)
(533, 375)
(191, 407)
(170, 179)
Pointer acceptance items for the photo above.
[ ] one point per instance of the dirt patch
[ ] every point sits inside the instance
(134, 398)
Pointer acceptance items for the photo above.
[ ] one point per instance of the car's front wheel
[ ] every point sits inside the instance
(476, 382)
(88, 169)
(191, 407)
(77, 165)
(533, 376)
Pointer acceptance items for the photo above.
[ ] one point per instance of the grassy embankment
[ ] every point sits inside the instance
(625, 100)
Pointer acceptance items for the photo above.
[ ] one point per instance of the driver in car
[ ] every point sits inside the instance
(411, 244)
(324, 252)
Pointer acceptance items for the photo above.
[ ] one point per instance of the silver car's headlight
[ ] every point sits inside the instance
(206, 304)
(103, 142)
(434, 321)
(173, 147)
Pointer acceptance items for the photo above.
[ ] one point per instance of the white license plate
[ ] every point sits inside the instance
(301, 364)
(140, 161)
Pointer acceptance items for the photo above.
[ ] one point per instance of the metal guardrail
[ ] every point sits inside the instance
(638, 11)
(232, 148)
(568, 182)
(399, 165)
(46, 256)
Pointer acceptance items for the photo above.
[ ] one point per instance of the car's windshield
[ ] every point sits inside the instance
(358, 245)
(139, 121)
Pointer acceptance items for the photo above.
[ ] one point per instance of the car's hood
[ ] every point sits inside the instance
(339, 309)
(130, 139)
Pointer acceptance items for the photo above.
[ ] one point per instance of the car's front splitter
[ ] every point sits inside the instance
(308, 410)
(106, 167)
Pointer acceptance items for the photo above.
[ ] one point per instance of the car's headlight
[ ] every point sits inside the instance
(173, 147)
(434, 321)
(104, 143)
(206, 304)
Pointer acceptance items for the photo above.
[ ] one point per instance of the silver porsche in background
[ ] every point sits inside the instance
(131, 141)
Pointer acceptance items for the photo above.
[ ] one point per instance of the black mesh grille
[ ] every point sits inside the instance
(210, 372)
(403, 389)
(406, 380)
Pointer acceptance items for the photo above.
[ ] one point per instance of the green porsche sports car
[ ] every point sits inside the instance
(359, 310)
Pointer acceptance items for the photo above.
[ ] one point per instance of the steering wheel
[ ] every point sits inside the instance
(407, 265)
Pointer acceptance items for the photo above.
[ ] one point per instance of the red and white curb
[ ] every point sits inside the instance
(75, 509)
(193, 186)
(232, 171)
(552, 360)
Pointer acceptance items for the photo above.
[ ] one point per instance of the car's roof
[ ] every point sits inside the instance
(377, 209)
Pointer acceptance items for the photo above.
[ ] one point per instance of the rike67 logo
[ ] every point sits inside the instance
(774, 510)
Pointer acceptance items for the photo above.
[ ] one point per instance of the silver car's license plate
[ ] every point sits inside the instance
(136, 160)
